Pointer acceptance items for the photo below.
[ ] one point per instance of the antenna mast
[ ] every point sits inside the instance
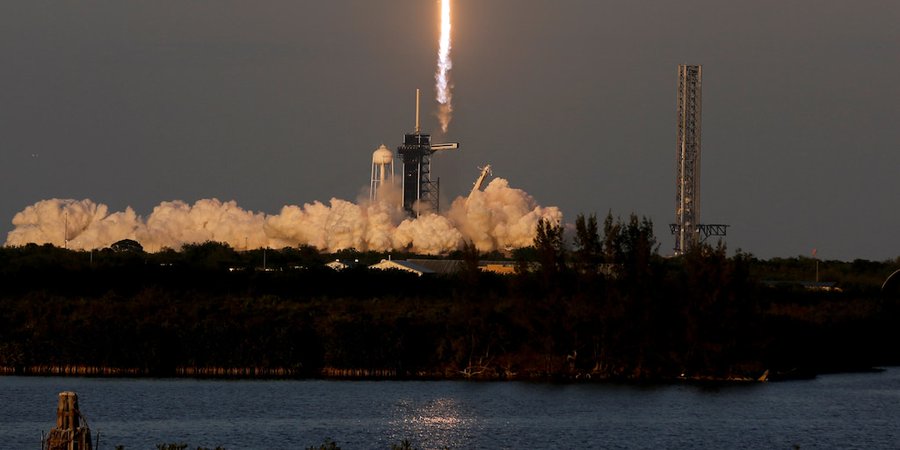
(417, 112)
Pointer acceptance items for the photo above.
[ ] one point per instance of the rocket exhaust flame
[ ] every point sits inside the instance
(444, 64)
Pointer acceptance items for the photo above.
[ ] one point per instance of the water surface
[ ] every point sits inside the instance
(833, 411)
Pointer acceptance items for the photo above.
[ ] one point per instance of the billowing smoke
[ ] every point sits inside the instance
(498, 218)
(444, 64)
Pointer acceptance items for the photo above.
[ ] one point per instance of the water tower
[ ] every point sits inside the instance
(382, 165)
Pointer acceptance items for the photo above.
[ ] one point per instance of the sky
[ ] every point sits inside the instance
(271, 103)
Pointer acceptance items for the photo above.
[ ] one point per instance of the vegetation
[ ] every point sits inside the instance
(609, 308)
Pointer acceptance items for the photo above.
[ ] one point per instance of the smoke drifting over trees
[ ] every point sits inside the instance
(497, 218)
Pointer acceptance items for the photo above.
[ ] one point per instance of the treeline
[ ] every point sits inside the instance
(609, 307)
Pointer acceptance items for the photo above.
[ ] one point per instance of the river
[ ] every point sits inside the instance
(858, 410)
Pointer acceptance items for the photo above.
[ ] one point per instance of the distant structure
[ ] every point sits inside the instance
(420, 193)
(687, 228)
(485, 171)
(382, 165)
(891, 285)
(407, 266)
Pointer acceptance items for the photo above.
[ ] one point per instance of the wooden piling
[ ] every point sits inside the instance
(71, 432)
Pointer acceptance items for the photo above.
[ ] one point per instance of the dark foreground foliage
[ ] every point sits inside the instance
(612, 308)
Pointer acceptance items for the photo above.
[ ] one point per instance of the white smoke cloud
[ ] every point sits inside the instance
(500, 217)
(173, 224)
(430, 233)
(380, 231)
(108, 229)
(72, 223)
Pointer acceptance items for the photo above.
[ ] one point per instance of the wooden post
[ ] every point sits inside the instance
(71, 432)
(65, 412)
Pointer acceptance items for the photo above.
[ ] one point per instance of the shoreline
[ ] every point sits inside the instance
(332, 373)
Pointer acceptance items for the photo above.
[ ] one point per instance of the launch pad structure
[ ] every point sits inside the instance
(687, 228)
(420, 193)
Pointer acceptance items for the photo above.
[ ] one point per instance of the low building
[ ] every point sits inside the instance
(408, 266)
(339, 265)
(499, 267)
(440, 266)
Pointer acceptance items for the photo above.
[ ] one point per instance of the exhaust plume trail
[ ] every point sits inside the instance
(444, 64)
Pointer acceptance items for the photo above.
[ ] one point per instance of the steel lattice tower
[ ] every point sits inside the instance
(687, 172)
(687, 228)
(420, 194)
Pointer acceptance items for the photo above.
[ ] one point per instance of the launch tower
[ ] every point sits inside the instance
(687, 228)
(420, 193)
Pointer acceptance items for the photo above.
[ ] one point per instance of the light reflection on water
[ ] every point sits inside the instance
(835, 411)
(436, 423)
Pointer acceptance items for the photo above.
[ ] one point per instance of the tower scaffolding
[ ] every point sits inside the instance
(687, 228)
(420, 193)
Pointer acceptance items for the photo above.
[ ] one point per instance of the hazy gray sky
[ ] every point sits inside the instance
(282, 102)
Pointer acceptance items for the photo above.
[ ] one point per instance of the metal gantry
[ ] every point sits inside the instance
(687, 168)
(687, 228)
(420, 193)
